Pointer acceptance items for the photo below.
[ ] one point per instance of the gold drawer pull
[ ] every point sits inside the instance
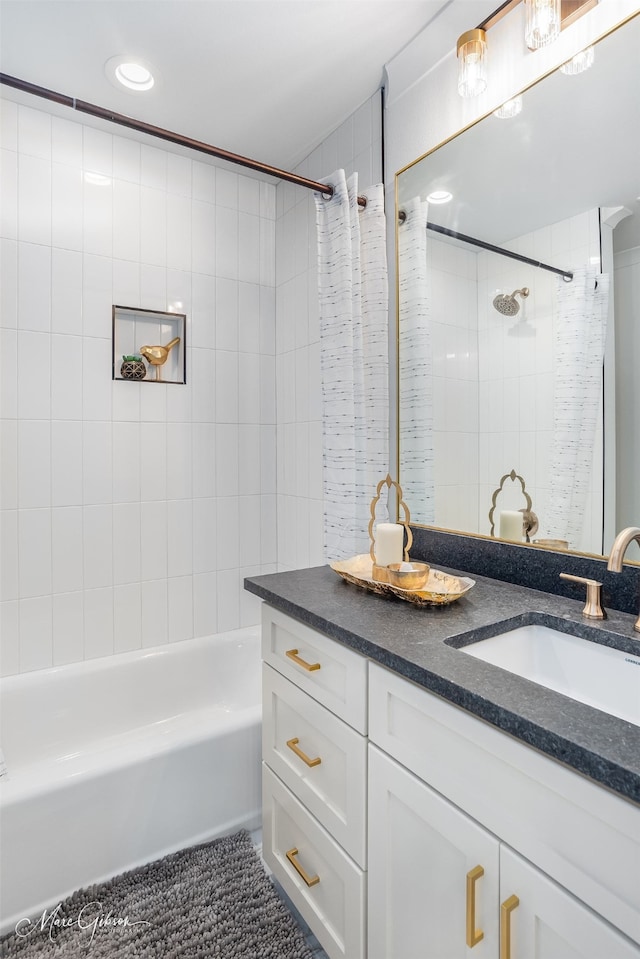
(506, 908)
(293, 654)
(293, 744)
(473, 935)
(310, 880)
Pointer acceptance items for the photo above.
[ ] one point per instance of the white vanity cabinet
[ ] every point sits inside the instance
(314, 751)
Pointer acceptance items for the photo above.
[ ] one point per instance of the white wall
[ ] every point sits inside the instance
(130, 512)
(355, 146)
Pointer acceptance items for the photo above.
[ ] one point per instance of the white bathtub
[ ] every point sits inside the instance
(117, 761)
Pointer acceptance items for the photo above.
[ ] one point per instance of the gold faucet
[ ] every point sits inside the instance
(616, 556)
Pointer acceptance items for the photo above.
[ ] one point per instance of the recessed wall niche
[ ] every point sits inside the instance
(148, 346)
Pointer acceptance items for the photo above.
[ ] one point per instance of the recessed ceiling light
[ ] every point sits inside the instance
(135, 75)
(439, 196)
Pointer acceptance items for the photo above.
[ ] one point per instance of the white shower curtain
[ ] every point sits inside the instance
(353, 296)
(581, 328)
(415, 365)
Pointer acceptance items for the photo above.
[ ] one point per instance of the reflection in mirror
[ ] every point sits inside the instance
(501, 359)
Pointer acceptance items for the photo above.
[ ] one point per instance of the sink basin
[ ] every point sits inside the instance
(597, 675)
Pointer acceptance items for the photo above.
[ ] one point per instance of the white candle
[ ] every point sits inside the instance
(389, 539)
(511, 525)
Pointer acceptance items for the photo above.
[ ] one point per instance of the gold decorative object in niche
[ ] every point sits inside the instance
(158, 337)
(529, 523)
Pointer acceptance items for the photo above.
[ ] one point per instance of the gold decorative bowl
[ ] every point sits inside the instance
(408, 575)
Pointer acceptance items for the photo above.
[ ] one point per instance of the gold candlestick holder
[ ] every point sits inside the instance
(381, 573)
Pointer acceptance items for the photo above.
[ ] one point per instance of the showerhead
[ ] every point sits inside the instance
(507, 304)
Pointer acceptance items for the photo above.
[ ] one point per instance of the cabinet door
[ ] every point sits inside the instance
(546, 922)
(421, 851)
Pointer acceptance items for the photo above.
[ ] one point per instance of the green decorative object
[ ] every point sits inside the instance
(132, 368)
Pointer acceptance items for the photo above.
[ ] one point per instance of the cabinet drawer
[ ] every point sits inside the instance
(328, 671)
(533, 803)
(334, 905)
(330, 776)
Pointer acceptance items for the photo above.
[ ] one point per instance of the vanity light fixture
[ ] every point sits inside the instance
(472, 63)
(510, 108)
(135, 75)
(578, 64)
(439, 196)
(542, 22)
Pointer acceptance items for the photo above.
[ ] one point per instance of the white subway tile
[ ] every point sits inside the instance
(98, 623)
(227, 316)
(9, 284)
(249, 530)
(126, 221)
(228, 600)
(154, 541)
(9, 194)
(227, 532)
(248, 459)
(249, 248)
(97, 215)
(126, 543)
(66, 377)
(34, 287)
(34, 463)
(34, 552)
(126, 462)
(126, 159)
(226, 387)
(180, 537)
(97, 151)
(248, 317)
(203, 458)
(204, 181)
(268, 530)
(125, 397)
(97, 285)
(9, 124)
(153, 403)
(126, 283)
(153, 287)
(227, 459)
(9, 373)
(248, 195)
(153, 226)
(204, 386)
(178, 175)
(226, 188)
(68, 628)
(66, 462)
(8, 464)
(66, 292)
(36, 635)
(204, 535)
(179, 456)
(316, 533)
(9, 553)
(9, 638)
(66, 142)
(153, 461)
(226, 243)
(153, 168)
(127, 618)
(301, 403)
(178, 232)
(97, 455)
(268, 200)
(267, 321)
(315, 460)
(155, 612)
(267, 252)
(66, 549)
(203, 313)
(180, 608)
(97, 533)
(268, 459)
(34, 375)
(180, 401)
(203, 238)
(34, 132)
(66, 207)
(205, 606)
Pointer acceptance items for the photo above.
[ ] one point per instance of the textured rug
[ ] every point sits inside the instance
(213, 900)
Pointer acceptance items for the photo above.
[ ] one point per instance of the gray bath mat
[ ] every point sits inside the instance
(213, 900)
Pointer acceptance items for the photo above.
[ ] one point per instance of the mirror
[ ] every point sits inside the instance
(500, 364)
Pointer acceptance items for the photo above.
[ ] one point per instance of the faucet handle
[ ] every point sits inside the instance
(592, 608)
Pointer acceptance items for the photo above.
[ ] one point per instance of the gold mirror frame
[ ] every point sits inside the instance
(408, 166)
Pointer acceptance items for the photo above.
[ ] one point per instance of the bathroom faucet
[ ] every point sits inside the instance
(619, 548)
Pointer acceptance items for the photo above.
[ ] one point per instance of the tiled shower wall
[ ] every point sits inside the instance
(355, 146)
(130, 512)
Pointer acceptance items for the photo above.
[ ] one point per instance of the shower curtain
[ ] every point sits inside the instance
(415, 365)
(580, 333)
(353, 296)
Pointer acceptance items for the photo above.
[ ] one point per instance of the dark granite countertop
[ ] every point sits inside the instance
(420, 644)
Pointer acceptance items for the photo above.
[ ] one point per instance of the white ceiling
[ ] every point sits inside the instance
(269, 79)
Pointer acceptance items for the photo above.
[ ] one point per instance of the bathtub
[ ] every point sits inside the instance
(115, 762)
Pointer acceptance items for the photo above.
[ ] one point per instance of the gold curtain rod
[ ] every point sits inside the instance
(141, 127)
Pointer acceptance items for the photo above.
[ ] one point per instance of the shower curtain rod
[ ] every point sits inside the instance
(141, 127)
(566, 275)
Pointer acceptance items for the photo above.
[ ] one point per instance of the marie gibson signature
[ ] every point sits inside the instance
(90, 918)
